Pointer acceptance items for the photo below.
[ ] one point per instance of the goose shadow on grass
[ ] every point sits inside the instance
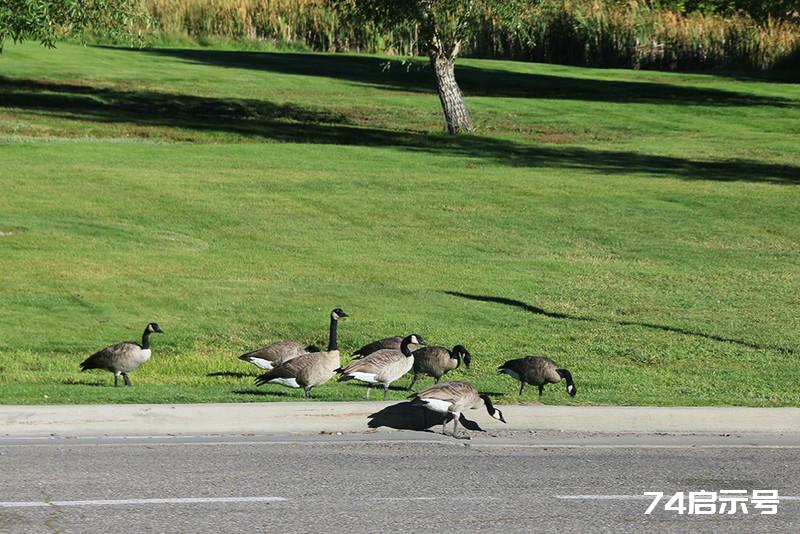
(231, 374)
(557, 315)
(413, 416)
(299, 124)
(77, 382)
(270, 393)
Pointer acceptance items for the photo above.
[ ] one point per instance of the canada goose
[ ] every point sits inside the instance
(279, 352)
(537, 371)
(435, 361)
(123, 357)
(383, 366)
(454, 397)
(311, 369)
(392, 343)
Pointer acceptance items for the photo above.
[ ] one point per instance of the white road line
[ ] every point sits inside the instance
(639, 497)
(116, 502)
(443, 498)
(604, 497)
(628, 446)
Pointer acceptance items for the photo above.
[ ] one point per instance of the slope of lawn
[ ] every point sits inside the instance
(641, 228)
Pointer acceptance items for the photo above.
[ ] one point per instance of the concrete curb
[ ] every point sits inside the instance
(315, 417)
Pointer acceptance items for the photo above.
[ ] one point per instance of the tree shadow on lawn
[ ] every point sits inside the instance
(557, 315)
(474, 81)
(298, 124)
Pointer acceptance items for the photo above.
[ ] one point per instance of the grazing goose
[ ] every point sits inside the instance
(276, 353)
(392, 343)
(537, 371)
(435, 361)
(383, 366)
(123, 357)
(453, 398)
(308, 370)
(279, 352)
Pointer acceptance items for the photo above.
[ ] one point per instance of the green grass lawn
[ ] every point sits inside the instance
(641, 228)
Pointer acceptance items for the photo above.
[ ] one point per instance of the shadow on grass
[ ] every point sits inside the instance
(231, 374)
(269, 393)
(78, 382)
(556, 315)
(297, 124)
(474, 81)
(413, 416)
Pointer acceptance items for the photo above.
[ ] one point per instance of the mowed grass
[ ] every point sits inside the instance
(641, 228)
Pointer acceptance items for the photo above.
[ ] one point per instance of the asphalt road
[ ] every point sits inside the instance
(388, 481)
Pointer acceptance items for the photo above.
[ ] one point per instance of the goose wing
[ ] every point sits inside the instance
(111, 357)
(277, 352)
(375, 362)
(289, 369)
(452, 391)
(431, 359)
(385, 343)
(540, 368)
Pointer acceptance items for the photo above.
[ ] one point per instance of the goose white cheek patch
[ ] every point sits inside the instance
(571, 390)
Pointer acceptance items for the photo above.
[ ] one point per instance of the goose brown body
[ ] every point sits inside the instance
(392, 343)
(121, 358)
(537, 371)
(269, 356)
(436, 361)
(310, 369)
(383, 366)
(454, 397)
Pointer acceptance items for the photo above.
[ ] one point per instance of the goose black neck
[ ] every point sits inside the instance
(404, 346)
(563, 373)
(332, 345)
(457, 355)
(146, 338)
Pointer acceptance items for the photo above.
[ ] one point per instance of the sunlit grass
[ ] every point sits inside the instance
(640, 228)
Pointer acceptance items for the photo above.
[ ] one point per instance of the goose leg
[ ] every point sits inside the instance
(116, 379)
(436, 379)
(541, 390)
(413, 381)
(444, 425)
(385, 391)
(126, 379)
(455, 424)
(521, 387)
(307, 392)
(369, 388)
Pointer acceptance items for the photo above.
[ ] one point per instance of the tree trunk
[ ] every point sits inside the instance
(456, 116)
